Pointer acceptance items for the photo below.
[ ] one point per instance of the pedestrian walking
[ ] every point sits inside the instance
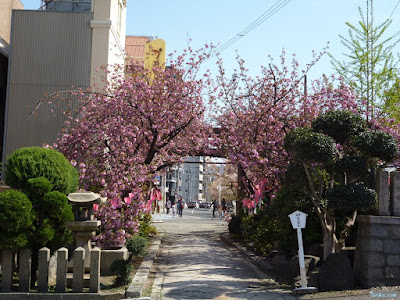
(168, 205)
(214, 207)
(180, 205)
(223, 206)
(173, 210)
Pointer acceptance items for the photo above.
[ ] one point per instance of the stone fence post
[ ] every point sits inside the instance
(24, 270)
(43, 270)
(95, 270)
(395, 194)
(78, 270)
(7, 270)
(61, 275)
(382, 189)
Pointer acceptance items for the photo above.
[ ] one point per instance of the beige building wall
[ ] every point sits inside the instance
(108, 41)
(6, 7)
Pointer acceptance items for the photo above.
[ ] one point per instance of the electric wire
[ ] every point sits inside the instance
(45, 4)
(394, 9)
(257, 22)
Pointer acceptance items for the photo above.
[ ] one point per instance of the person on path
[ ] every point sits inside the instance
(168, 205)
(173, 210)
(223, 204)
(180, 207)
(215, 207)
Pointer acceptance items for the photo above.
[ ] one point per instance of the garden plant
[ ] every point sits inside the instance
(335, 160)
(45, 177)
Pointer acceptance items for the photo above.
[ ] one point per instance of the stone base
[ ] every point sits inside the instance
(377, 256)
(108, 256)
(305, 290)
(86, 280)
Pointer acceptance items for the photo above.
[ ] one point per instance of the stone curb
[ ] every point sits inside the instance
(257, 260)
(136, 287)
(60, 296)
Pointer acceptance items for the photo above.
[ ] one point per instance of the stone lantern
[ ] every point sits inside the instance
(84, 225)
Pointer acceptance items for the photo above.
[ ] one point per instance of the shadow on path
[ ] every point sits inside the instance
(196, 264)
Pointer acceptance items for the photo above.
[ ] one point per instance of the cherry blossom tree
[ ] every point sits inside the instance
(144, 122)
(258, 112)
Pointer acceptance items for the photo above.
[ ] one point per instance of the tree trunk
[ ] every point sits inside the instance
(330, 240)
(329, 243)
(240, 192)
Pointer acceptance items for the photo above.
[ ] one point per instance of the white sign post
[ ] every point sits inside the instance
(298, 220)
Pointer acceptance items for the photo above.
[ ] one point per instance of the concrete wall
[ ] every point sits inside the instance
(50, 51)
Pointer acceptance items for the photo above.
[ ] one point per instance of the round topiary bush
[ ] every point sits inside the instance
(33, 162)
(314, 147)
(377, 144)
(15, 219)
(340, 125)
(351, 197)
(136, 245)
(37, 188)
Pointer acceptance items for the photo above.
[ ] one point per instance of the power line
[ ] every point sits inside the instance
(394, 9)
(45, 4)
(257, 22)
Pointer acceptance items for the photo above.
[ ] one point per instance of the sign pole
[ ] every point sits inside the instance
(303, 276)
(298, 220)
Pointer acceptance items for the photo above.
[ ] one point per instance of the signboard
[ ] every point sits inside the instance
(298, 219)
(154, 54)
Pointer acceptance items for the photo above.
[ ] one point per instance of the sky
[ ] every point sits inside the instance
(295, 26)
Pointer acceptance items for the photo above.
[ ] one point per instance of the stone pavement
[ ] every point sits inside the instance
(194, 263)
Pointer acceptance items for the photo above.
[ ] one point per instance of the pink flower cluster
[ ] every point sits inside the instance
(119, 219)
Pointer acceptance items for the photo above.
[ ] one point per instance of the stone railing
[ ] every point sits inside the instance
(24, 266)
(377, 256)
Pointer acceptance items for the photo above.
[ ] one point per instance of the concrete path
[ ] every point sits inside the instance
(194, 263)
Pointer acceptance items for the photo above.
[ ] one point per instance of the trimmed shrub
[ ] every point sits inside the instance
(33, 162)
(314, 147)
(351, 197)
(136, 245)
(15, 219)
(122, 269)
(234, 225)
(377, 144)
(340, 125)
(291, 137)
(37, 188)
(145, 227)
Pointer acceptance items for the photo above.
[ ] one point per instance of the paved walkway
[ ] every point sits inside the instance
(194, 263)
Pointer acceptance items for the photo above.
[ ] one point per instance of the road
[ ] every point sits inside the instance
(194, 263)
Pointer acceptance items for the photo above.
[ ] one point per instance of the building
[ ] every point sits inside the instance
(59, 48)
(6, 7)
(135, 49)
(190, 184)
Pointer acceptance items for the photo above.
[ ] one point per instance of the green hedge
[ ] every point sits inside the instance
(33, 162)
(15, 219)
